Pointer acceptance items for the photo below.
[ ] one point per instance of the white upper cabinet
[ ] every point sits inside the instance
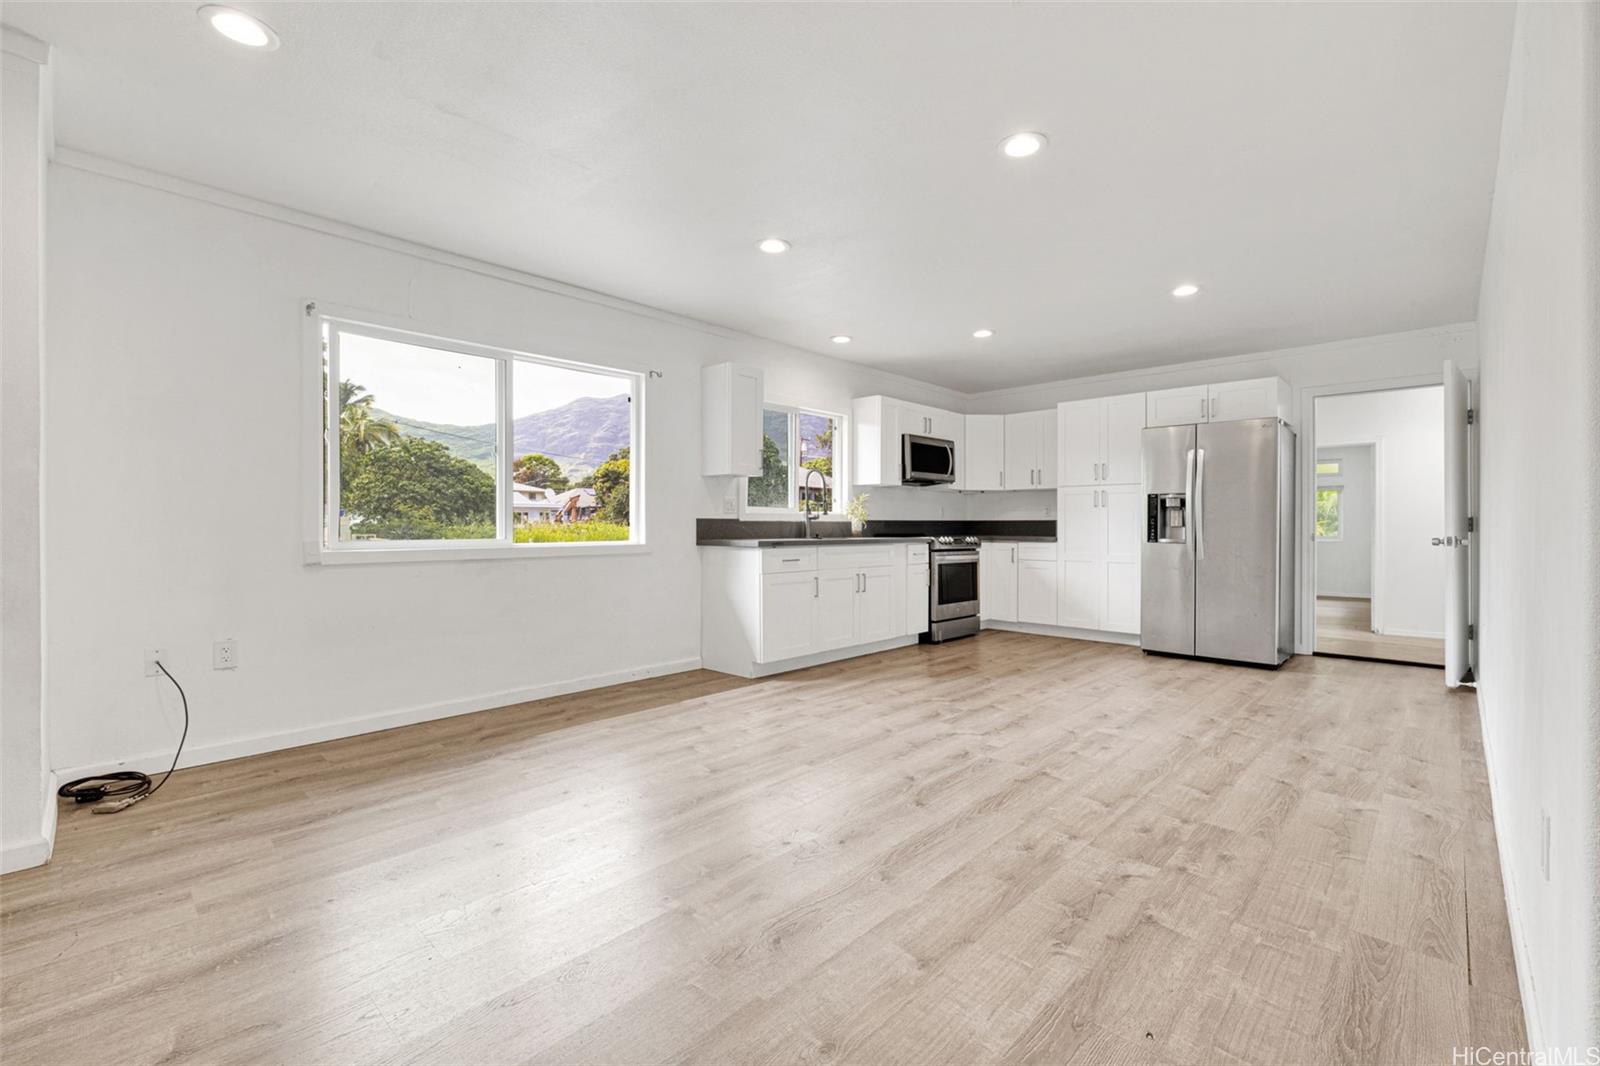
(1124, 454)
(1231, 401)
(1175, 407)
(730, 412)
(879, 422)
(984, 463)
(1031, 450)
(1234, 401)
(1099, 441)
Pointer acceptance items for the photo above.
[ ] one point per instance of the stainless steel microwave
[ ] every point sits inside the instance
(927, 460)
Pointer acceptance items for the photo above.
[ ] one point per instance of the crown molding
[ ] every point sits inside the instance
(1114, 376)
(24, 46)
(103, 166)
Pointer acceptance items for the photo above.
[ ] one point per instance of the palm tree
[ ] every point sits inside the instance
(359, 432)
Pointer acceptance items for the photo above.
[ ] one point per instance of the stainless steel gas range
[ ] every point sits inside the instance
(952, 589)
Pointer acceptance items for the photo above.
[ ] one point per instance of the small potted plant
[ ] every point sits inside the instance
(857, 510)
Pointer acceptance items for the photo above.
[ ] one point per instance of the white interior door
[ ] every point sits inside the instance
(1457, 654)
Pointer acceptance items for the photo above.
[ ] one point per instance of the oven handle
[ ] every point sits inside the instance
(940, 558)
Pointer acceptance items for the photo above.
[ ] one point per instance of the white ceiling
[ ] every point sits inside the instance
(1324, 171)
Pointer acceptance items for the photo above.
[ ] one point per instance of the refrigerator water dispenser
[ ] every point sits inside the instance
(1165, 518)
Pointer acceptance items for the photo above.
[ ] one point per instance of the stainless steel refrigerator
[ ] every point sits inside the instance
(1217, 566)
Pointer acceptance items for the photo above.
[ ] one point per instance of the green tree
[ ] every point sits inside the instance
(611, 487)
(412, 487)
(360, 433)
(771, 489)
(541, 470)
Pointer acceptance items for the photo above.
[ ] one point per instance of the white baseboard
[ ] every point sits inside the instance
(34, 850)
(1069, 632)
(800, 662)
(1391, 631)
(1508, 884)
(223, 750)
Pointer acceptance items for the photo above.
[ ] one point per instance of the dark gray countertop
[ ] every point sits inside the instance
(826, 542)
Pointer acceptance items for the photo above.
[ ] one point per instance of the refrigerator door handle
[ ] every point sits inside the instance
(1188, 492)
(1199, 503)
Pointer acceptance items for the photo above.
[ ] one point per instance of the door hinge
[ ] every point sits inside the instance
(1472, 632)
(1472, 524)
(1472, 416)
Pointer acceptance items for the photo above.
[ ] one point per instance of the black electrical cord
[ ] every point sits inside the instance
(120, 790)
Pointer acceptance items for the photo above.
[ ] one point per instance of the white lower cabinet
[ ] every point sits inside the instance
(1098, 533)
(879, 613)
(997, 581)
(917, 597)
(762, 607)
(788, 619)
(1017, 582)
(1036, 590)
(836, 595)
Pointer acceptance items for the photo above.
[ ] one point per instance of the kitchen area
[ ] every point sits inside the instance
(1088, 520)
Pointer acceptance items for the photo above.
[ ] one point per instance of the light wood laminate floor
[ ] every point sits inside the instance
(1010, 848)
(1344, 627)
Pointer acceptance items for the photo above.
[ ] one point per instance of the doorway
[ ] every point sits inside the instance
(1379, 473)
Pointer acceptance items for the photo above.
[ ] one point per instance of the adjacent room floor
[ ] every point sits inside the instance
(1344, 627)
(1007, 848)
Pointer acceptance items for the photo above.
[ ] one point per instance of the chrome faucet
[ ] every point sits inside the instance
(805, 483)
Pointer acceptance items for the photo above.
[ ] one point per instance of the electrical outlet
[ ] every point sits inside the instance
(151, 655)
(225, 655)
(1544, 843)
(730, 505)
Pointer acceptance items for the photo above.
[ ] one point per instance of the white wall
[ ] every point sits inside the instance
(1344, 566)
(1408, 426)
(1539, 657)
(27, 809)
(173, 431)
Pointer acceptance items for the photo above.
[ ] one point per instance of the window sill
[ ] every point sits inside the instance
(316, 555)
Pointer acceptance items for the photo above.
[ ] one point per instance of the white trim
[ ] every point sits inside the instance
(1103, 636)
(833, 655)
(104, 167)
(1305, 559)
(34, 850)
(24, 46)
(1187, 367)
(1514, 914)
(841, 465)
(260, 743)
(321, 411)
(464, 551)
(1439, 635)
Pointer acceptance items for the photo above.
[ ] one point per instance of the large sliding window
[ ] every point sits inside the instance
(444, 444)
(801, 459)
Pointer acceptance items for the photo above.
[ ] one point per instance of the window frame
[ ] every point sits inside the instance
(322, 544)
(841, 495)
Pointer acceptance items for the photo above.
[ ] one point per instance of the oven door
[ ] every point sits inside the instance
(955, 585)
(927, 460)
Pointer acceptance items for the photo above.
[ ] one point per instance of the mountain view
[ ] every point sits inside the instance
(578, 435)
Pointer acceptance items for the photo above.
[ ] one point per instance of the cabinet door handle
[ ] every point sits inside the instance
(816, 588)
(1013, 555)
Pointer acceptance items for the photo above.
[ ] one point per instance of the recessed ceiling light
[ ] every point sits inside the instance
(983, 334)
(839, 338)
(239, 28)
(1022, 145)
(773, 245)
(1188, 288)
